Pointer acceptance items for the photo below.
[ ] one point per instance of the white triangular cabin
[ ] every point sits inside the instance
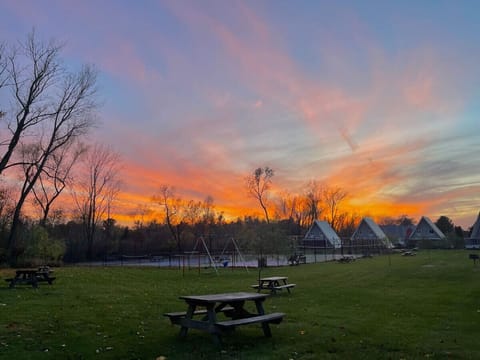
(426, 230)
(473, 242)
(368, 233)
(398, 234)
(321, 234)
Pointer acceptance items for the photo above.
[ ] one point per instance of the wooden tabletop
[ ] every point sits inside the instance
(274, 278)
(26, 271)
(226, 297)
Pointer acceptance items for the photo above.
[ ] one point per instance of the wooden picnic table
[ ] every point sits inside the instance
(474, 257)
(297, 259)
(31, 277)
(230, 306)
(273, 284)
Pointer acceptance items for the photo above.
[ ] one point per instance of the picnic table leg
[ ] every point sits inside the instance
(45, 277)
(212, 319)
(285, 283)
(261, 311)
(189, 315)
(273, 285)
(33, 280)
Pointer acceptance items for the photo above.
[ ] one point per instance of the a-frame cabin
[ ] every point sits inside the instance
(322, 235)
(426, 230)
(369, 235)
(473, 241)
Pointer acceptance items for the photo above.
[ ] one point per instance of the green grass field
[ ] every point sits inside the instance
(388, 307)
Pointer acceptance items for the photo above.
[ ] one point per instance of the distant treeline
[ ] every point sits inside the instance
(65, 242)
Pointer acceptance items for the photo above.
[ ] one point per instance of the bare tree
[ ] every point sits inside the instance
(44, 93)
(347, 223)
(171, 206)
(207, 215)
(313, 200)
(208, 210)
(301, 212)
(143, 211)
(96, 189)
(3, 71)
(55, 178)
(51, 108)
(258, 184)
(333, 197)
(285, 205)
(192, 211)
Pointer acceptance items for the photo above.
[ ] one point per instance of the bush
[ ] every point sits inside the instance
(43, 250)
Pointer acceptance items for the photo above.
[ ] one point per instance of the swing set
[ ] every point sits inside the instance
(223, 258)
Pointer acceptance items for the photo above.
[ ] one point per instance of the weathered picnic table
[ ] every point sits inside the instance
(31, 277)
(231, 305)
(297, 259)
(474, 257)
(273, 284)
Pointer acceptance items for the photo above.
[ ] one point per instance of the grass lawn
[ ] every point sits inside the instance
(387, 307)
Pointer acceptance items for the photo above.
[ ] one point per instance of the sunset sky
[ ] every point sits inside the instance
(381, 98)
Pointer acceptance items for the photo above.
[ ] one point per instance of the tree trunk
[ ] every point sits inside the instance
(13, 236)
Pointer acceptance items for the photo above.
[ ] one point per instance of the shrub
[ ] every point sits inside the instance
(43, 250)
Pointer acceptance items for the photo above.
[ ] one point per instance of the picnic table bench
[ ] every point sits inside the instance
(273, 284)
(231, 306)
(31, 277)
(274, 318)
(176, 316)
